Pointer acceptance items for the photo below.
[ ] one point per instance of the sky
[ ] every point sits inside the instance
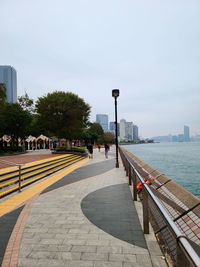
(148, 49)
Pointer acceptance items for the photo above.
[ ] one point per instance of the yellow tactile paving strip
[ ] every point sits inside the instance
(17, 200)
(29, 164)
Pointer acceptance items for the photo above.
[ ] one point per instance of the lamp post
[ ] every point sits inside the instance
(115, 94)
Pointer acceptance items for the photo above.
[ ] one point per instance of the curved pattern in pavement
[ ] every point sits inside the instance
(83, 173)
(112, 210)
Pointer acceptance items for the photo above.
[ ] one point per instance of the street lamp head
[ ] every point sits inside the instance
(115, 92)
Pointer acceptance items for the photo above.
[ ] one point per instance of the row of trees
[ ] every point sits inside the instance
(60, 114)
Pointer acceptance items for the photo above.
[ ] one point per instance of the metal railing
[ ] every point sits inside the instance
(9, 163)
(175, 245)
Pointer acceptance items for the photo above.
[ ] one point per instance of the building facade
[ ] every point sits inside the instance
(122, 126)
(102, 119)
(129, 131)
(8, 77)
(186, 133)
(112, 128)
(135, 133)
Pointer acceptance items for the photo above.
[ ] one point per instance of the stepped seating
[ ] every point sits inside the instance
(33, 172)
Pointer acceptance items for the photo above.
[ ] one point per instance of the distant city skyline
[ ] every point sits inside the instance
(127, 131)
(149, 50)
(181, 137)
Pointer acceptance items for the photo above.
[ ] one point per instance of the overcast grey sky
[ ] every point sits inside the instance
(149, 49)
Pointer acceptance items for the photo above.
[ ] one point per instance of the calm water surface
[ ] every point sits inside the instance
(179, 161)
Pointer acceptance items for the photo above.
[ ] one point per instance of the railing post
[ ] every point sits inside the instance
(134, 186)
(19, 178)
(145, 211)
(181, 260)
(126, 167)
(129, 174)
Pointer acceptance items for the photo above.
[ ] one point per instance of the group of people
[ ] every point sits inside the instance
(90, 149)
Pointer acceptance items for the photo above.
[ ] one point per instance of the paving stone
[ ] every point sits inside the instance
(76, 242)
(71, 256)
(109, 249)
(98, 242)
(84, 249)
(135, 250)
(78, 231)
(94, 256)
(122, 257)
(107, 264)
(65, 248)
(144, 260)
(52, 241)
(79, 264)
(24, 262)
(50, 263)
(154, 248)
(158, 261)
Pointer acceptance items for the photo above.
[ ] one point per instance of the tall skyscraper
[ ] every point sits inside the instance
(112, 128)
(8, 77)
(129, 131)
(102, 119)
(123, 130)
(135, 133)
(186, 135)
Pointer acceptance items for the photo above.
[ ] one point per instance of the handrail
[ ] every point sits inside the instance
(17, 165)
(186, 247)
(10, 163)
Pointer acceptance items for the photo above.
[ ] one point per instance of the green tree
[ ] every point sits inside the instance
(2, 94)
(94, 133)
(108, 138)
(35, 128)
(26, 103)
(14, 121)
(63, 114)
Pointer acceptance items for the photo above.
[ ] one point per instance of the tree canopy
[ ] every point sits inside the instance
(2, 93)
(26, 103)
(14, 121)
(94, 133)
(63, 114)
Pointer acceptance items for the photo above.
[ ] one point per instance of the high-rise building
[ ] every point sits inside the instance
(8, 77)
(112, 128)
(129, 131)
(102, 119)
(186, 135)
(123, 130)
(135, 133)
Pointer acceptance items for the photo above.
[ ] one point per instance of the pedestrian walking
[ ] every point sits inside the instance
(90, 150)
(99, 147)
(106, 146)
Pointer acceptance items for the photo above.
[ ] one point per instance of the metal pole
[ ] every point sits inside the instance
(116, 135)
(19, 178)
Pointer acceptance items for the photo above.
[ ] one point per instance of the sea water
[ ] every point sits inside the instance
(179, 161)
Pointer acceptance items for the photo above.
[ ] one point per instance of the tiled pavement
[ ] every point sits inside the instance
(27, 157)
(86, 219)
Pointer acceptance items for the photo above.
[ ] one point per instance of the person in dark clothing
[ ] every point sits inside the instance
(90, 150)
(106, 146)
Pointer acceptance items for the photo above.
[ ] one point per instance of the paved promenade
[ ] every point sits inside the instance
(87, 218)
